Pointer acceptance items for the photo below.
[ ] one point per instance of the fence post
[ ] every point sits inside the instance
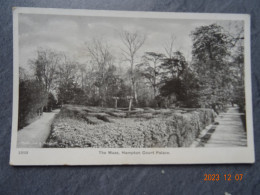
(115, 98)
(130, 99)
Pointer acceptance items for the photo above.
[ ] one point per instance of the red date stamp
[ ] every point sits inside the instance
(226, 177)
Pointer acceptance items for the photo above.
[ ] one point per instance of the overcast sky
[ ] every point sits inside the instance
(69, 33)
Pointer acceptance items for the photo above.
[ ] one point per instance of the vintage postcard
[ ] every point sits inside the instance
(117, 87)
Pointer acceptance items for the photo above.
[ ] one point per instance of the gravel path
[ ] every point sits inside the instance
(230, 131)
(35, 134)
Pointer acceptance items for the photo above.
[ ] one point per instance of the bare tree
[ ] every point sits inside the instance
(235, 31)
(45, 66)
(132, 42)
(150, 69)
(169, 46)
(102, 59)
(67, 77)
(23, 75)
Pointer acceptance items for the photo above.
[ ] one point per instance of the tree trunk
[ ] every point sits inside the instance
(115, 103)
(130, 104)
(135, 94)
(154, 91)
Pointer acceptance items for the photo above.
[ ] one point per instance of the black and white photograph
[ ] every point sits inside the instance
(132, 85)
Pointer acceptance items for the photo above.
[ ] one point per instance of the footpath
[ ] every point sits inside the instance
(35, 134)
(227, 131)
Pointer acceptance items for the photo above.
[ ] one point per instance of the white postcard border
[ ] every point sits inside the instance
(97, 156)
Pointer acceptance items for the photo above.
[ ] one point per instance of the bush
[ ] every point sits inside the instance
(32, 98)
(52, 103)
(167, 129)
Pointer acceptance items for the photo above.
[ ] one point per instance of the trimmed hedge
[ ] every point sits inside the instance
(71, 129)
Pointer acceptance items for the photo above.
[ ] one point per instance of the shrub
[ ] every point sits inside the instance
(32, 98)
(165, 130)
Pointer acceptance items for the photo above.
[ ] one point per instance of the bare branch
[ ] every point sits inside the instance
(169, 46)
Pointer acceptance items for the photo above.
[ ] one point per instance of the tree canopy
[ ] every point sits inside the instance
(212, 78)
